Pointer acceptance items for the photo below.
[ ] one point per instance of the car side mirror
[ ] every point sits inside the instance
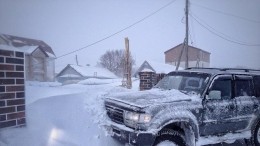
(214, 94)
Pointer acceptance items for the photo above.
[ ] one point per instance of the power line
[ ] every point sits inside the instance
(192, 37)
(227, 14)
(219, 34)
(113, 34)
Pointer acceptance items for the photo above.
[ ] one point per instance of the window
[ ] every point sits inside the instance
(243, 86)
(257, 85)
(223, 86)
(185, 82)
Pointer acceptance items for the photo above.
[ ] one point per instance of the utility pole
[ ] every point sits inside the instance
(128, 67)
(185, 47)
(187, 34)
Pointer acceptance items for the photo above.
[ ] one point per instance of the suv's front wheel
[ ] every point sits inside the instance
(169, 137)
(256, 135)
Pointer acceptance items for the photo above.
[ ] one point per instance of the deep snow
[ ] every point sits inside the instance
(68, 115)
(61, 116)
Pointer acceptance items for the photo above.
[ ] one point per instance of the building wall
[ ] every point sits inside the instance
(39, 67)
(12, 89)
(49, 69)
(171, 57)
(192, 64)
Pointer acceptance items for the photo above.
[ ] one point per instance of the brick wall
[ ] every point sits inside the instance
(147, 80)
(12, 89)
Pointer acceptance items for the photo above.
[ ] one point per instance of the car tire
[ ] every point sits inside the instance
(170, 136)
(256, 135)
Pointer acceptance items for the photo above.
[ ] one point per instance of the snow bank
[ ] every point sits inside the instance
(95, 81)
(43, 84)
(61, 116)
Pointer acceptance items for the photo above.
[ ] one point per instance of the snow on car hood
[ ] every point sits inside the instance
(150, 97)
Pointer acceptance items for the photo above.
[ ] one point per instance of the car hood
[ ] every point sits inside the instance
(150, 97)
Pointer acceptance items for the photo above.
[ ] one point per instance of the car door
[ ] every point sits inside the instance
(245, 100)
(219, 107)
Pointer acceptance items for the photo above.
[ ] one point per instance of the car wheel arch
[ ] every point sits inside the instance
(185, 126)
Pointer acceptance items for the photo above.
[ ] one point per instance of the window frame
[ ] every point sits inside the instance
(256, 81)
(243, 77)
(222, 76)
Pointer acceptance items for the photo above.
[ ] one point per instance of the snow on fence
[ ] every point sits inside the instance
(12, 89)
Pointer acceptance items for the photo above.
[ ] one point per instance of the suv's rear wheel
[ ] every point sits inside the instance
(169, 137)
(256, 135)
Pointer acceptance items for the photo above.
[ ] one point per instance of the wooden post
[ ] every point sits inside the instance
(128, 67)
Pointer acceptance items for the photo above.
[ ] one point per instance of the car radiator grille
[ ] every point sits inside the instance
(115, 114)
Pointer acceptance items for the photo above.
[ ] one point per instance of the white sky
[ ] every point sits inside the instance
(72, 24)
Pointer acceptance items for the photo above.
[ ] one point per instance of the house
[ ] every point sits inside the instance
(160, 68)
(196, 57)
(39, 57)
(150, 73)
(76, 73)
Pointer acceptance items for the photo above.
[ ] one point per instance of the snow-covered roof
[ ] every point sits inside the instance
(91, 71)
(156, 67)
(146, 70)
(25, 49)
(8, 42)
(162, 67)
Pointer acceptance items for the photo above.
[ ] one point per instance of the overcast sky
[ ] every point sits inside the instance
(67, 25)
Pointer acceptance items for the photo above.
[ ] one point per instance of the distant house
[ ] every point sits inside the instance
(150, 73)
(39, 57)
(76, 73)
(196, 57)
(159, 68)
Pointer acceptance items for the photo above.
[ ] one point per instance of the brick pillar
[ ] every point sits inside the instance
(147, 80)
(12, 90)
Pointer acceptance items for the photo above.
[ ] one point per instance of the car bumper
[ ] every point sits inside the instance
(129, 136)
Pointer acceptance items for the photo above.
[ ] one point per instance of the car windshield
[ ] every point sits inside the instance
(190, 83)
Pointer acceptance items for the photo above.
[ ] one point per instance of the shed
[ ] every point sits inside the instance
(39, 57)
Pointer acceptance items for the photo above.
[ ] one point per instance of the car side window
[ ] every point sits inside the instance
(257, 85)
(243, 86)
(221, 88)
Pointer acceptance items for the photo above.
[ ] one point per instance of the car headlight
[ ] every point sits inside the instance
(132, 118)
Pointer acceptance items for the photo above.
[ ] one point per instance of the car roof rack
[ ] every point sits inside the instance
(226, 69)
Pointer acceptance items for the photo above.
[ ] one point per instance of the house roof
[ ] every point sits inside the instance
(190, 47)
(156, 67)
(90, 71)
(24, 44)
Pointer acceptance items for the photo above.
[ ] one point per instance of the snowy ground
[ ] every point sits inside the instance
(67, 115)
(61, 116)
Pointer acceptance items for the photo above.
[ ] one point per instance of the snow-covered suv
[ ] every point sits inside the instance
(196, 106)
